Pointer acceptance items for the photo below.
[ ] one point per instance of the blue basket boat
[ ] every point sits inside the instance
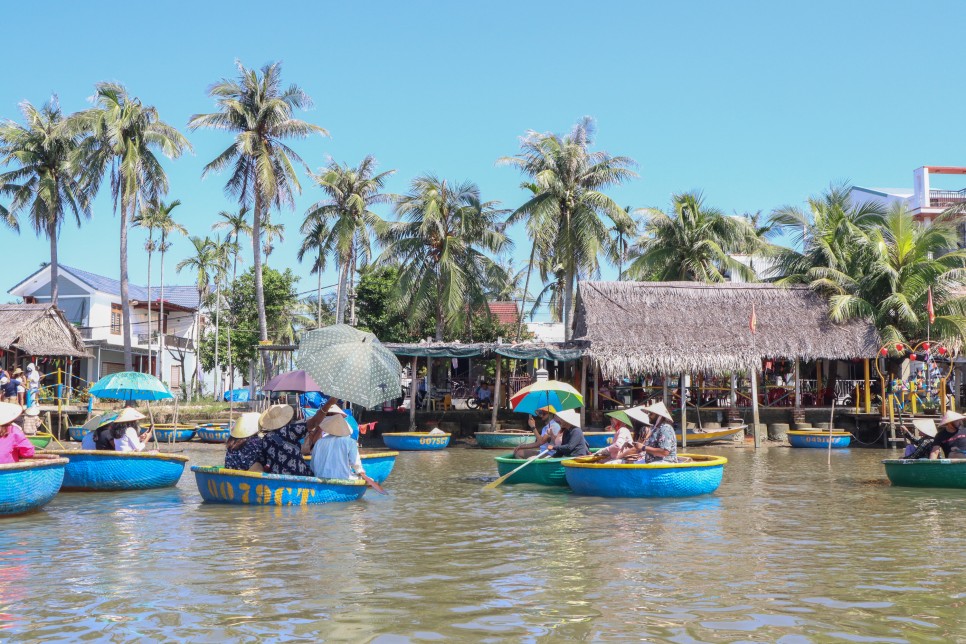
(213, 433)
(502, 440)
(598, 439)
(76, 433)
(378, 465)
(170, 434)
(29, 484)
(700, 476)
(221, 485)
(819, 439)
(102, 470)
(415, 441)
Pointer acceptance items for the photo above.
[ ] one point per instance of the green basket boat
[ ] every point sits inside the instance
(502, 440)
(940, 472)
(543, 471)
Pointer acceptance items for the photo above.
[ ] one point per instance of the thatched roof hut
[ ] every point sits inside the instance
(681, 327)
(39, 330)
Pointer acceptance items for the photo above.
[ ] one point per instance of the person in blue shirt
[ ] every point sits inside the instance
(335, 454)
(548, 436)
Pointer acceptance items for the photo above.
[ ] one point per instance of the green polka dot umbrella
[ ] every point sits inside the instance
(350, 364)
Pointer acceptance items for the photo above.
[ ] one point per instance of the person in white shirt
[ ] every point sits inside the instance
(335, 454)
(125, 430)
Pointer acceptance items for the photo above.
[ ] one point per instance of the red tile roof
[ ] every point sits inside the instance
(505, 312)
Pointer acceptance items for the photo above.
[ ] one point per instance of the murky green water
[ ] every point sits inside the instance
(784, 551)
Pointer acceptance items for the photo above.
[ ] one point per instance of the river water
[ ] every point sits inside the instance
(787, 550)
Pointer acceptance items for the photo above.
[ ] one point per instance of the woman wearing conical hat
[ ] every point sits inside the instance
(660, 445)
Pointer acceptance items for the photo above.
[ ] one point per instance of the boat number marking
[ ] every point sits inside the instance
(433, 441)
(264, 494)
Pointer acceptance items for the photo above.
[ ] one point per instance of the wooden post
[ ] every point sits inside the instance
(664, 392)
(429, 383)
(597, 387)
(753, 376)
(868, 386)
(683, 388)
(942, 396)
(412, 395)
(798, 385)
(583, 392)
(818, 382)
(734, 392)
(496, 393)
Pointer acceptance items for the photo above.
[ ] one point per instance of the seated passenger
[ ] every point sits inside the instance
(335, 454)
(547, 436)
(244, 448)
(950, 440)
(623, 439)
(14, 444)
(572, 443)
(660, 445)
(126, 436)
(283, 449)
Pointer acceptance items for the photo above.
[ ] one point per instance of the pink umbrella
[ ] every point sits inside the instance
(297, 381)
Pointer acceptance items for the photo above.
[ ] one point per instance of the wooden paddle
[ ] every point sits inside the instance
(490, 486)
(375, 486)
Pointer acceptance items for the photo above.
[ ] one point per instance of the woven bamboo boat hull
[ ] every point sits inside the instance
(704, 438)
(39, 442)
(212, 434)
(544, 471)
(502, 440)
(76, 433)
(415, 441)
(598, 439)
(819, 439)
(926, 473)
(30, 484)
(702, 476)
(220, 485)
(114, 471)
(379, 465)
(171, 435)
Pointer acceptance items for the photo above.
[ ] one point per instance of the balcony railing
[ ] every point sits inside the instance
(946, 198)
(173, 341)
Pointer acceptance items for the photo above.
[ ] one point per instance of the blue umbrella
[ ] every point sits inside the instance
(131, 385)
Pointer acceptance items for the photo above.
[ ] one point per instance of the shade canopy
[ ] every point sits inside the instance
(546, 393)
(298, 381)
(350, 364)
(131, 385)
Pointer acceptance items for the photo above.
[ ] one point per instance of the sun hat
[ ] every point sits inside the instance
(569, 416)
(276, 417)
(32, 411)
(335, 409)
(246, 425)
(17, 371)
(31, 367)
(950, 417)
(9, 412)
(639, 414)
(129, 414)
(100, 420)
(336, 426)
(926, 426)
(660, 409)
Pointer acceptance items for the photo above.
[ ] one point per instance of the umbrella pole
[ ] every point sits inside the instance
(412, 396)
(496, 395)
(151, 419)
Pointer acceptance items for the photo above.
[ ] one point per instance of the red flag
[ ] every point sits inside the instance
(929, 310)
(753, 324)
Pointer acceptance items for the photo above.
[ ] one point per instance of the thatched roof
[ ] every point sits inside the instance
(39, 330)
(675, 327)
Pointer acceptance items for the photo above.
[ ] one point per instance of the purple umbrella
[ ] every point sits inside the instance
(297, 381)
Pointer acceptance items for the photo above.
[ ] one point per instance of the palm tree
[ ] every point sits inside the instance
(271, 231)
(439, 244)
(122, 136)
(236, 224)
(621, 235)
(352, 192)
(204, 263)
(150, 217)
(694, 244)
(569, 180)
(259, 112)
(166, 226)
(316, 237)
(221, 256)
(43, 181)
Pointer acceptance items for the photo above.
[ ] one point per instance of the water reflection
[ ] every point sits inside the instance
(787, 550)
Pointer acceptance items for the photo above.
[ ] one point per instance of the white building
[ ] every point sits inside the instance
(924, 201)
(93, 304)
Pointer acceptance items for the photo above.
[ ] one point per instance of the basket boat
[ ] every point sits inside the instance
(940, 472)
(703, 438)
(172, 434)
(596, 439)
(220, 485)
(39, 442)
(415, 441)
(76, 433)
(819, 439)
(543, 471)
(502, 440)
(378, 465)
(701, 476)
(212, 433)
(29, 484)
(102, 470)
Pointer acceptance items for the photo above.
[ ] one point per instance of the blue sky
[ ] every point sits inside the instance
(758, 104)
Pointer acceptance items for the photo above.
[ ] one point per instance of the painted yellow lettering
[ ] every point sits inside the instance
(245, 489)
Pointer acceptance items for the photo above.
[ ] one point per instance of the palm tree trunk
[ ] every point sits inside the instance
(125, 300)
(568, 303)
(231, 366)
(217, 337)
(259, 292)
(54, 271)
(150, 252)
(352, 286)
(340, 307)
(161, 323)
(318, 295)
(526, 290)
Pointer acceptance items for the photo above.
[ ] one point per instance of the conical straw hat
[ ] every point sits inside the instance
(276, 417)
(246, 425)
(660, 409)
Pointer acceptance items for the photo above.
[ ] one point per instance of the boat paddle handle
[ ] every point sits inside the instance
(490, 486)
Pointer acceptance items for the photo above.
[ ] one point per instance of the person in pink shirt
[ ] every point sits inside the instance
(14, 444)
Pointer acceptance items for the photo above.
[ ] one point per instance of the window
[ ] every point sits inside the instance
(116, 319)
(175, 377)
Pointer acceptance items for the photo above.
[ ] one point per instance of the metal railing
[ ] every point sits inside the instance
(946, 198)
(169, 340)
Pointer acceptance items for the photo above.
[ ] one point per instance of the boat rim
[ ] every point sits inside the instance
(924, 461)
(384, 454)
(515, 432)
(510, 459)
(416, 434)
(706, 461)
(817, 432)
(103, 452)
(33, 463)
(214, 469)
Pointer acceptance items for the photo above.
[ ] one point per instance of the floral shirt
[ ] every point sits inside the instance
(246, 455)
(663, 437)
(283, 450)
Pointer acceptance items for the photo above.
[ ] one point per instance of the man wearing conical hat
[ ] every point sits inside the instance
(660, 445)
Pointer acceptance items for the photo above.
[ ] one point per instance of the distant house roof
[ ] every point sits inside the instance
(903, 193)
(505, 312)
(39, 330)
